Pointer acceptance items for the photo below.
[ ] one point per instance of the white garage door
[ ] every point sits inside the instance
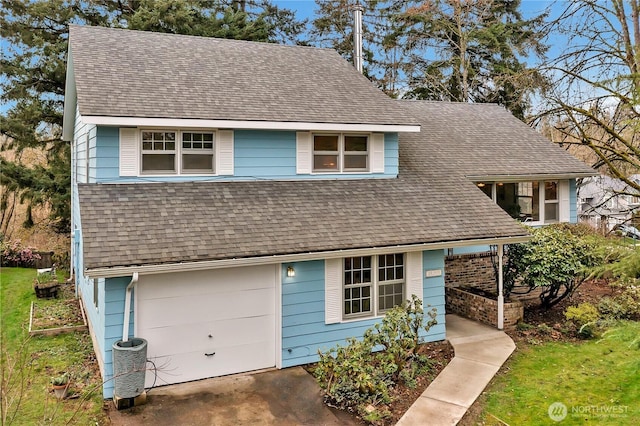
(207, 323)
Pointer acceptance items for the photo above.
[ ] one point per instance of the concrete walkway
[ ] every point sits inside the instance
(480, 351)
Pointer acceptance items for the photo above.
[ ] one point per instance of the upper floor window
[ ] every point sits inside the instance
(373, 284)
(197, 152)
(340, 153)
(161, 153)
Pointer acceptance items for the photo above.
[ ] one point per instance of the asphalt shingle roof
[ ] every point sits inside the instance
(487, 140)
(144, 74)
(151, 223)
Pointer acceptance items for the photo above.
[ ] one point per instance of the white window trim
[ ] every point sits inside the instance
(341, 153)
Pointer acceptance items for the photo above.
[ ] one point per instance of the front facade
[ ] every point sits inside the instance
(283, 212)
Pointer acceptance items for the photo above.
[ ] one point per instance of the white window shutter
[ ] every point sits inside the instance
(303, 153)
(129, 152)
(563, 199)
(377, 153)
(332, 291)
(414, 274)
(224, 152)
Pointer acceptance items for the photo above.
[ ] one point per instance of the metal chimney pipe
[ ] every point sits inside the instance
(357, 36)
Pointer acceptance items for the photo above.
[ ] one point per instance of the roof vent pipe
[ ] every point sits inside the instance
(357, 37)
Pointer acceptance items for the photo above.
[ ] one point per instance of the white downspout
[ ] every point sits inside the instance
(127, 307)
(500, 288)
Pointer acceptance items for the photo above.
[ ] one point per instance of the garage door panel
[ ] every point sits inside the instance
(199, 282)
(196, 336)
(235, 306)
(196, 308)
(195, 365)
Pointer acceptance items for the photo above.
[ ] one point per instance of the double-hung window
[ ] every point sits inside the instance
(159, 151)
(373, 284)
(173, 152)
(197, 152)
(340, 153)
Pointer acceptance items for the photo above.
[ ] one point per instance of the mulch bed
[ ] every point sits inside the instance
(440, 353)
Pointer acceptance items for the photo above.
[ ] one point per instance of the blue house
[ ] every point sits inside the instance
(242, 205)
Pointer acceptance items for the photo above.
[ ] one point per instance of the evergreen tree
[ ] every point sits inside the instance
(455, 50)
(34, 34)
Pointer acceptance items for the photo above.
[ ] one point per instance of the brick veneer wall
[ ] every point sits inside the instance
(478, 308)
(470, 270)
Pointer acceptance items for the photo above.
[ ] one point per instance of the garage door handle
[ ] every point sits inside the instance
(211, 354)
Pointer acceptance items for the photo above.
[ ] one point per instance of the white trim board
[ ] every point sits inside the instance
(239, 124)
(123, 271)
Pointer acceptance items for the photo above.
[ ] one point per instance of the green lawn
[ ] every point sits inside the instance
(29, 363)
(598, 381)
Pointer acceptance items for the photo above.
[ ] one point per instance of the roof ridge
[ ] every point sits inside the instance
(430, 101)
(229, 40)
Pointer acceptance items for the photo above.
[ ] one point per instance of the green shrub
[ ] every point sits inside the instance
(582, 314)
(625, 305)
(355, 377)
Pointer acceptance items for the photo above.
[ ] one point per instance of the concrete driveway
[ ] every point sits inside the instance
(280, 397)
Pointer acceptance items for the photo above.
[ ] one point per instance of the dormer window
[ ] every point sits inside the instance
(197, 152)
(340, 153)
(159, 152)
(166, 152)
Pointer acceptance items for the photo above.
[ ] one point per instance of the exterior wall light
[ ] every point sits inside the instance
(291, 272)
(480, 184)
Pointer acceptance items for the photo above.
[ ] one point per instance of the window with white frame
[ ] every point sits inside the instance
(340, 153)
(373, 284)
(159, 151)
(197, 152)
(162, 153)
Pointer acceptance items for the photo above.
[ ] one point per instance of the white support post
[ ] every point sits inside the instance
(500, 288)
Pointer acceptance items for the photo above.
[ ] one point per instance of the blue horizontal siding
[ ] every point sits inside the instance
(391, 156)
(264, 154)
(471, 249)
(573, 201)
(433, 292)
(304, 331)
(107, 157)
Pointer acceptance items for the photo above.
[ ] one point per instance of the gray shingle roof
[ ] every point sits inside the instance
(150, 223)
(144, 74)
(487, 140)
